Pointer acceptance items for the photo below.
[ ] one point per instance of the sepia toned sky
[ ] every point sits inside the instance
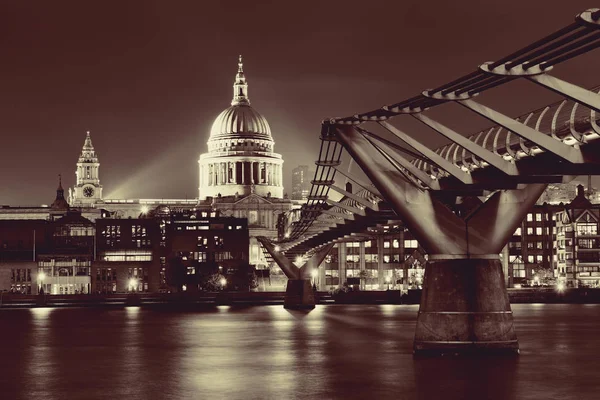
(148, 77)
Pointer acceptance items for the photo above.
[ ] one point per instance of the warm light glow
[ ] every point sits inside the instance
(388, 279)
(560, 287)
(314, 273)
(298, 260)
(277, 248)
(133, 283)
(223, 281)
(41, 276)
(184, 287)
(145, 209)
(517, 286)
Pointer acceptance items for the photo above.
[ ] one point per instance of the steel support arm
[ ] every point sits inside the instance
(403, 162)
(574, 92)
(491, 226)
(314, 261)
(435, 158)
(546, 142)
(353, 210)
(288, 267)
(358, 199)
(359, 182)
(422, 214)
(482, 153)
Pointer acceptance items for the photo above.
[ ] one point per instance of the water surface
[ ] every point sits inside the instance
(266, 352)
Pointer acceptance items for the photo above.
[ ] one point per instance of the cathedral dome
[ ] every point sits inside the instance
(240, 121)
(240, 160)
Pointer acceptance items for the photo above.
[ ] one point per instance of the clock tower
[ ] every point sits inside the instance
(87, 190)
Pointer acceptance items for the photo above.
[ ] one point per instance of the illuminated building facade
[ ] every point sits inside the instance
(578, 242)
(530, 254)
(384, 257)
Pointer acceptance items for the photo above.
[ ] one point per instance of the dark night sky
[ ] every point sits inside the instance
(147, 78)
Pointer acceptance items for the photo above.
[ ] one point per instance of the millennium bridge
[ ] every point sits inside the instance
(461, 201)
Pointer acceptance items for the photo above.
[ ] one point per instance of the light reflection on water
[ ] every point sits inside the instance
(334, 351)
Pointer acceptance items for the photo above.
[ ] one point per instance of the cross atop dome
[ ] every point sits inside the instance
(240, 87)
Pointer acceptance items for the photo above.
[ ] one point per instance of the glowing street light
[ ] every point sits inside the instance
(223, 282)
(277, 248)
(560, 287)
(41, 277)
(133, 284)
(145, 209)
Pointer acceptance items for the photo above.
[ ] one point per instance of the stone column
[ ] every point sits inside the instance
(251, 172)
(243, 180)
(210, 174)
(235, 172)
(269, 172)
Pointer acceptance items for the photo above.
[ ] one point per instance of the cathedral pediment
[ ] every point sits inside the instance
(253, 199)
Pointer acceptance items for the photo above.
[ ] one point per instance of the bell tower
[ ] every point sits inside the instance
(87, 190)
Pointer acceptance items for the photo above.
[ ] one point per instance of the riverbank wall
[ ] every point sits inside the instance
(516, 296)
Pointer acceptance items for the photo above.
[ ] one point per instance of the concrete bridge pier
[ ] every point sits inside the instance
(464, 308)
(299, 292)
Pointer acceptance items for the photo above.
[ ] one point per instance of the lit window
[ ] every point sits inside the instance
(517, 232)
(386, 244)
(538, 230)
(529, 217)
(538, 217)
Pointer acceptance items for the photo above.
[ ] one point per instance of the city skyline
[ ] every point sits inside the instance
(149, 88)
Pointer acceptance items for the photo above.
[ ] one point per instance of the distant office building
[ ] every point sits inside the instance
(386, 257)
(301, 177)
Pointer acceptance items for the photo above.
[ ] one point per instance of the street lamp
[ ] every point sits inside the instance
(314, 273)
(388, 280)
(133, 284)
(41, 277)
(223, 282)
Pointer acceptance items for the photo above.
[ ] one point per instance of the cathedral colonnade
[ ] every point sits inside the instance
(240, 172)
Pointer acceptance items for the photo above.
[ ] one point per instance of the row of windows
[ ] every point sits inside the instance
(538, 231)
(20, 275)
(132, 257)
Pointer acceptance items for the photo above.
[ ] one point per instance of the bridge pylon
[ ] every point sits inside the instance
(299, 292)
(464, 305)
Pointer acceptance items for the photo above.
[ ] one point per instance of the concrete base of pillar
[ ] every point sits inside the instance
(299, 294)
(464, 309)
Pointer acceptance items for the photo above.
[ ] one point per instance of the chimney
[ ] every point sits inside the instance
(349, 187)
(580, 191)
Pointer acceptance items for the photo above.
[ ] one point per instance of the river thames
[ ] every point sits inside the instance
(267, 352)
